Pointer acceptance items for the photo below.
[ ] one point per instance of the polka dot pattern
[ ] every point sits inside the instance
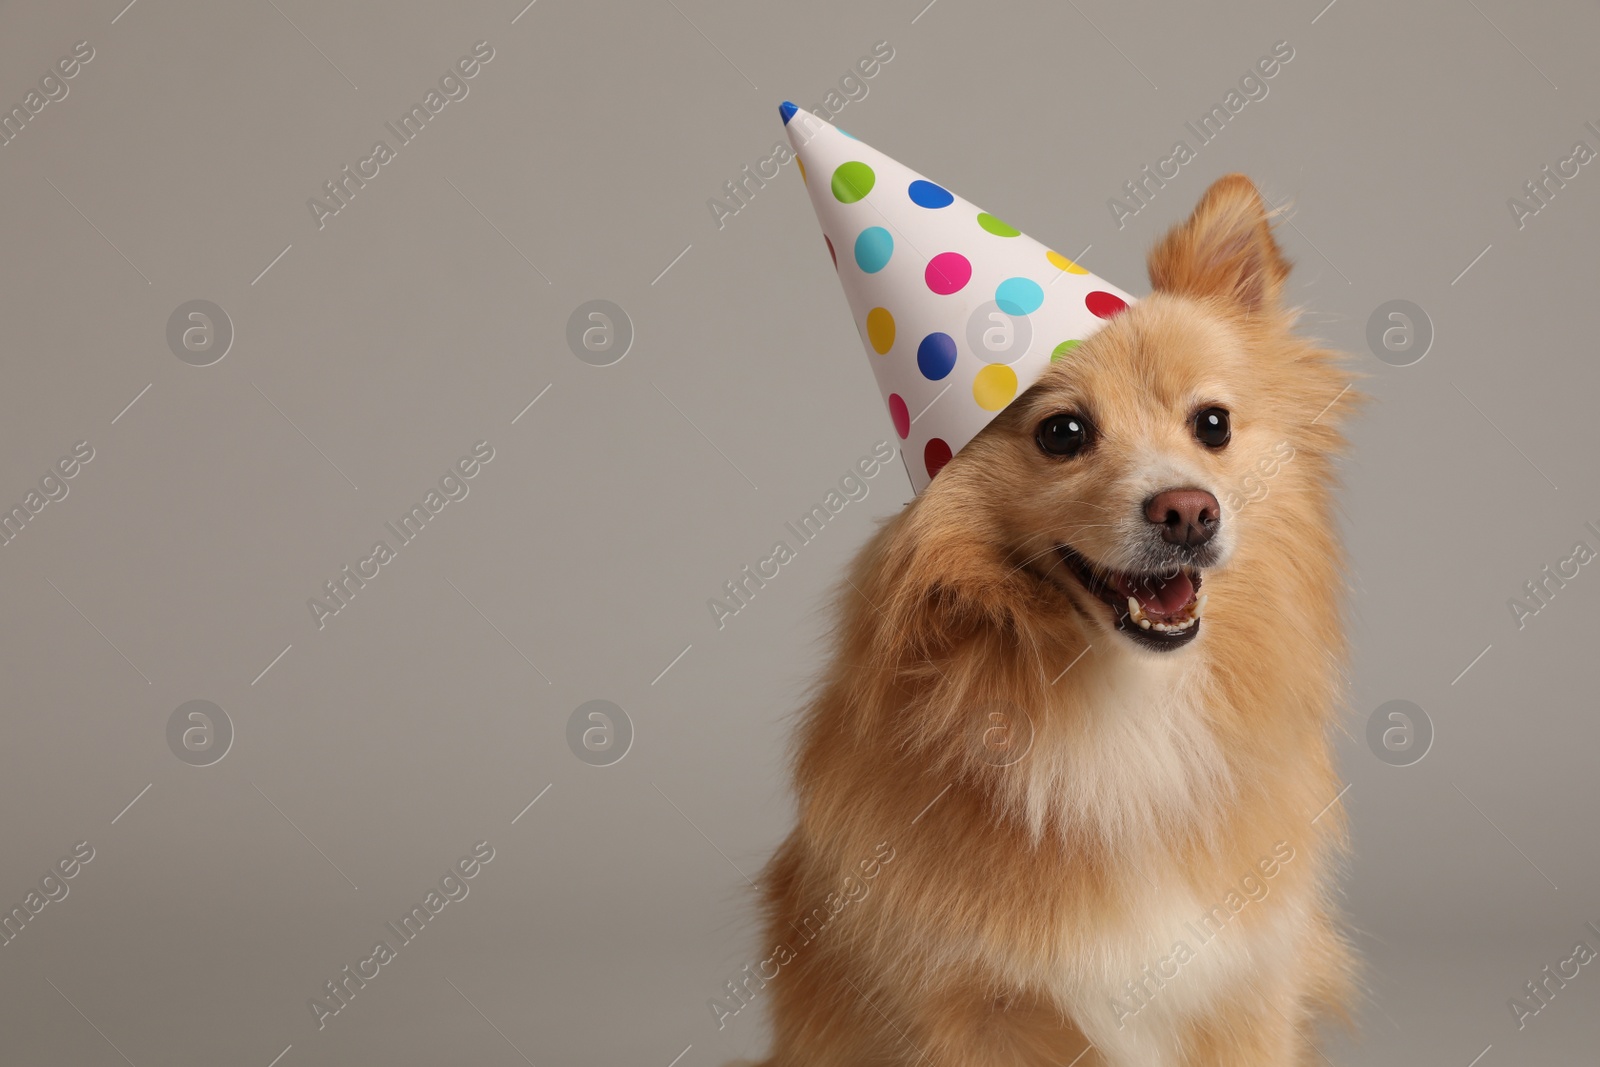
(874, 246)
(936, 356)
(852, 181)
(996, 227)
(880, 331)
(1019, 296)
(1103, 304)
(994, 387)
(900, 414)
(925, 322)
(948, 272)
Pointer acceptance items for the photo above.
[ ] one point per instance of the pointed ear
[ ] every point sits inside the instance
(1225, 250)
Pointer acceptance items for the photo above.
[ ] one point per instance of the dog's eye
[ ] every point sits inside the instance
(1063, 435)
(1211, 427)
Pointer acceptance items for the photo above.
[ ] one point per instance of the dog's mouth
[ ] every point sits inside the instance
(1160, 610)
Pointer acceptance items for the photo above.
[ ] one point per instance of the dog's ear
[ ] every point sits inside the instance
(1225, 250)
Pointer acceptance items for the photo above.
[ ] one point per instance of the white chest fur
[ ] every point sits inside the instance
(1131, 764)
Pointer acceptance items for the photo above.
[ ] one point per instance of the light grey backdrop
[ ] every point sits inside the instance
(370, 353)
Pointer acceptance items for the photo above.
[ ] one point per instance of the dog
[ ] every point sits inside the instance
(1066, 793)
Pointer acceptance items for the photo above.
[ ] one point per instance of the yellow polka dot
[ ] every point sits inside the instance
(994, 386)
(1061, 262)
(802, 164)
(880, 330)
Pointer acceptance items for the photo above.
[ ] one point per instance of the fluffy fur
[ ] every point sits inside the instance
(1054, 837)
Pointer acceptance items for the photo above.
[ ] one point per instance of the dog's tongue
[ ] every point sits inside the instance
(1164, 597)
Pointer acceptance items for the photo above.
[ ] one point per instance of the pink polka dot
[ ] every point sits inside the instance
(947, 272)
(1104, 304)
(935, 456)
(900, 414)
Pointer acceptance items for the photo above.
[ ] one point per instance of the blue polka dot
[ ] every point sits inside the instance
(1019, 296)
(927, 194)
(873, 248)
(936, 356)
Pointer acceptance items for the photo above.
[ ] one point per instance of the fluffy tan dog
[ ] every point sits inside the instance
(1058, 805)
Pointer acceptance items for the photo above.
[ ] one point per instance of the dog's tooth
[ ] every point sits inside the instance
(1200, 605)
(1133, 607)
(1144, 624)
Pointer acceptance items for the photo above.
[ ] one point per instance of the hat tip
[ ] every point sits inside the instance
(787, 111)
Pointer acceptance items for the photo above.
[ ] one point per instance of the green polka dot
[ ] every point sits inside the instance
(995, 226)
(1063, 348)
(852, 181)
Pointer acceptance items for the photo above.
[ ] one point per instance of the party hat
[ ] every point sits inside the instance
(959, 311)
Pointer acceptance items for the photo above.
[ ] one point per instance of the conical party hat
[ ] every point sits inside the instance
(959, 311)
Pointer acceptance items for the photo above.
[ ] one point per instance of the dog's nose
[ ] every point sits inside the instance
(1187, 517)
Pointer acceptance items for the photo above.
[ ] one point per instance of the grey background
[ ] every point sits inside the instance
(424, 317)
